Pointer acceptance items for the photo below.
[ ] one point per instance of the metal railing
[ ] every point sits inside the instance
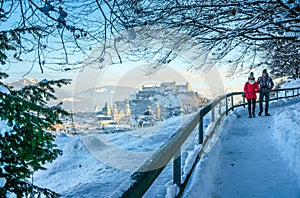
(142, 179)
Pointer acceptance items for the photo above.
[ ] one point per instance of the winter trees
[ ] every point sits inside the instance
(222, 27)
(234, 32)
(53, 33)
(283, 57)
(25, 143)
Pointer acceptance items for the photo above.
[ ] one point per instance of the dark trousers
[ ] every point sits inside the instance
(251, 102)
(263, 95)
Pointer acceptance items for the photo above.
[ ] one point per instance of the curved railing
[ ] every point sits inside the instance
(142, 179)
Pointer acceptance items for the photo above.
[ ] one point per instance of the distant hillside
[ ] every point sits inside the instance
(88, 99)
(85, 100)
(23, 82)
(97, 96)
(170, 104)
(60, 93)
(168, 98)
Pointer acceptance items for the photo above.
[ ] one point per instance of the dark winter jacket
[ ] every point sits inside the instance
(265, 83)
(250, 89)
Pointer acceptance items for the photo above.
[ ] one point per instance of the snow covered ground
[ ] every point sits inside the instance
(257, 157)
(287, 135)
(96, 165)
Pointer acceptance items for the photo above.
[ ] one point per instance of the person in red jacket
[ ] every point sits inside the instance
(250, 89)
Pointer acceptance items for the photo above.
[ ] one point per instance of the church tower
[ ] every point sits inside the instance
(128, 111)
(188, 86)
(158, 111)
(115, 109)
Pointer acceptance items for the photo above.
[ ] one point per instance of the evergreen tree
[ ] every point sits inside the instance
(26, 144)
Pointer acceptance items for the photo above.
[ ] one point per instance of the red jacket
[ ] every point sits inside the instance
(251, 90)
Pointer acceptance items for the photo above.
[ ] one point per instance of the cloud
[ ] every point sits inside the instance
(100, 90)
(70, 99)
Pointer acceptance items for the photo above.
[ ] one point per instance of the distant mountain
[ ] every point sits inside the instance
(85, 100)
(114, 92)
(23, 82)
(60, 93)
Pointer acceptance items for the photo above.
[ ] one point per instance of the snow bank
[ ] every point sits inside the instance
(287, 135)
(287, 124)
(201, 183)
(190, 158)
(291, 84)
(172, 190)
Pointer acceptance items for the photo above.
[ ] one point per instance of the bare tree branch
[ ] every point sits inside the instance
(97, 33)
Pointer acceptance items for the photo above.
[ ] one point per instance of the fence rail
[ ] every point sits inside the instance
(142, 179)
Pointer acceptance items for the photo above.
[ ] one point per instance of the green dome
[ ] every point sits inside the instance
(106, 110)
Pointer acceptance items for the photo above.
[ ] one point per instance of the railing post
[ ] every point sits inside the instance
(285, 93)
(220, 108)
(201, 130)
(177, 169)
(293, 93)
(244, 102)
(226, 105)
(277, 95)
(212, 115)
(232, 102)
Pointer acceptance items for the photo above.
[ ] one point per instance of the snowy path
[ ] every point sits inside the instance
(250, 163)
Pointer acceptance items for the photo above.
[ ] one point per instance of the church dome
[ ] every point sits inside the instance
(106, 110)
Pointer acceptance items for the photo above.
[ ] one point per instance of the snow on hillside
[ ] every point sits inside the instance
(24, 82)
(96, 165)
(168, 100)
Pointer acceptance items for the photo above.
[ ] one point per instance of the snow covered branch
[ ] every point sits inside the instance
(65, 35)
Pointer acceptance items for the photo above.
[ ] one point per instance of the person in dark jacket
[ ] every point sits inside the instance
(266, 84)
(250, 89)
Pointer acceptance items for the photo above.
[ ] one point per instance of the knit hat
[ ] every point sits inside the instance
(265, 71)
(251, 76)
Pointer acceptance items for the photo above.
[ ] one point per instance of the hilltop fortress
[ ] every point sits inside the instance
(156, 102)
(172, 99)
(150, 91)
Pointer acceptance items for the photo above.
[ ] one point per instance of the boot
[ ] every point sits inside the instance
(259, 113)
(267, 114)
